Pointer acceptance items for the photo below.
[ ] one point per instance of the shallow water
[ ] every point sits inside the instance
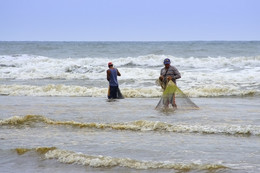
(54, 115)
(129, 135)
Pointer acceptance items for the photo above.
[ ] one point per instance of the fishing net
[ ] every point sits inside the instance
(118, 95)
(173, 97)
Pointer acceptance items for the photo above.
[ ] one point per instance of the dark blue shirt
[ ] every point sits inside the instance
(113, 77)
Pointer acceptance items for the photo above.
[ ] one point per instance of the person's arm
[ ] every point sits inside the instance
(161, 75)
(118, 73)
(108, 75)
(177, 74)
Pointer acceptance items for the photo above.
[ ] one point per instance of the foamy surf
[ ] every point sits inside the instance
(226, 70)
(25, 62)
(201, 77)
(140, 125)
(70, 157)
(143, 92)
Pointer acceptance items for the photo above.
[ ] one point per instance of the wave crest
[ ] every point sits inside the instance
(39, 67)
(141, 125)
(70, 157)
(145, 92)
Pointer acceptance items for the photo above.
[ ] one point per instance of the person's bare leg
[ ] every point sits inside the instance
(174, 101)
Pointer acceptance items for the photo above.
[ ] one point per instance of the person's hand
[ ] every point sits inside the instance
(169, 78)
(161, 78)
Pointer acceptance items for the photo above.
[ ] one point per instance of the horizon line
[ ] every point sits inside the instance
(127, 40)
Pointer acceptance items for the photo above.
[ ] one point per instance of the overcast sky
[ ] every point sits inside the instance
(129, 20)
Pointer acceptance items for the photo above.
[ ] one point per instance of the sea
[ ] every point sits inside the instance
(55, 115)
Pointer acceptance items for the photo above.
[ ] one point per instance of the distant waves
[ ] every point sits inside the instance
(201, 77)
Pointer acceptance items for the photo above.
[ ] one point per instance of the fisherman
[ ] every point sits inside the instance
(113, 90)
(169, 73)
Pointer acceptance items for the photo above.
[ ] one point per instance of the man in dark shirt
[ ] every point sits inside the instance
(113, 90)
(169, 73)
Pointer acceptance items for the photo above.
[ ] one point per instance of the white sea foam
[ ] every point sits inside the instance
(69, 157)
(29, 66)
(209, 76)
(143, 125)
(143, 92)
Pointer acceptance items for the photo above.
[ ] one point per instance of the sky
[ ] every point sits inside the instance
(129, 20)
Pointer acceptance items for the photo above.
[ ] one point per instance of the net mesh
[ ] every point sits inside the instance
(119, 95)
(174, 97)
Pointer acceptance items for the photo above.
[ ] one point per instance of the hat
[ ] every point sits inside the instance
(110, 63)
(167, 61)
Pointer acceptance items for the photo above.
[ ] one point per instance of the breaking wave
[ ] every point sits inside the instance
(144, 92)
(140, 125)
(201, 77)
(145, 67)
(70, 157)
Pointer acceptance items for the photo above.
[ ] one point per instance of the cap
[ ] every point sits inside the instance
(110, 63)
(167, 61)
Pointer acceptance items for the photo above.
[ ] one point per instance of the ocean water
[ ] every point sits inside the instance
(54, 114)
